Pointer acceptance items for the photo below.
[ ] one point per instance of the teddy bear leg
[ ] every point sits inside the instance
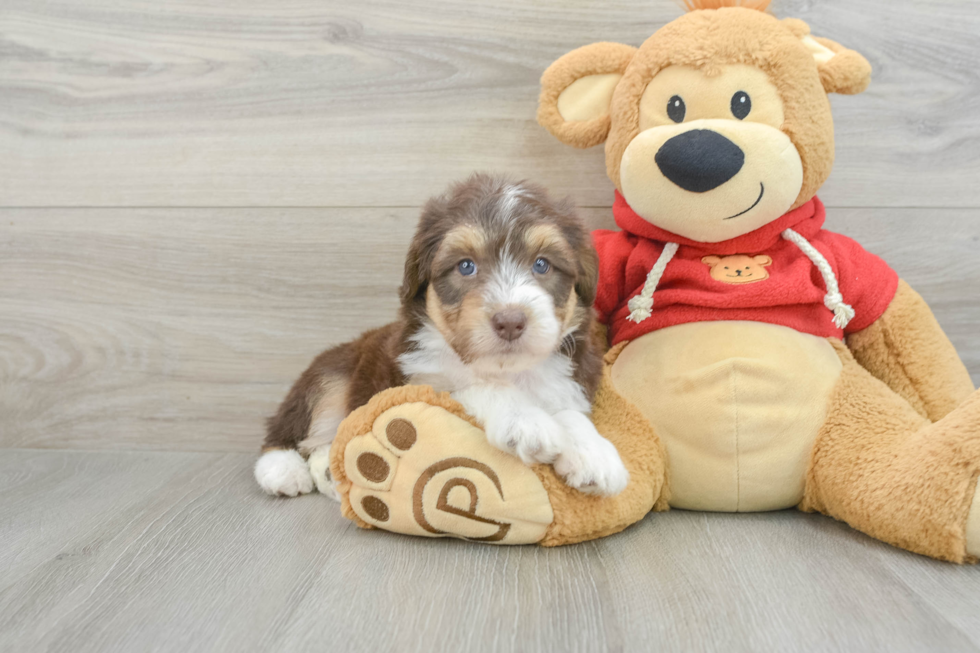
(411, 461)
(889, 472)
(579, 517)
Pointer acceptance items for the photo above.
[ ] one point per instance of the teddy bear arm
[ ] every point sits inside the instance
(908, 350)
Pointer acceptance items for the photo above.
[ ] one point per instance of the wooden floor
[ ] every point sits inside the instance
(196, 197)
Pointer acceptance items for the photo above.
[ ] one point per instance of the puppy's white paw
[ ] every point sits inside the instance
(529, 433)
(320, 470)
(589, 463)
(283, 473)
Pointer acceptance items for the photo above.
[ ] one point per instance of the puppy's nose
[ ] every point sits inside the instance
(509, 324)
(699, 160)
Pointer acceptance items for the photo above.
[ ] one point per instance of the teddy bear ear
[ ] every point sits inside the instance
(577, 90)
(711, 261)
(763, 260)
(841, 70)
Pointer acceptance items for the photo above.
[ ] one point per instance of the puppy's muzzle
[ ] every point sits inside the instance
(509, 324)
(699, 160)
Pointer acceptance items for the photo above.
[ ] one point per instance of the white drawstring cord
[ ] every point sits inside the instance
(843, 313)
(641, 306)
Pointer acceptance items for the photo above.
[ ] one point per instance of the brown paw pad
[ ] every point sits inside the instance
(401, 434)
(375, 508)
(373, 467)
(369, 464)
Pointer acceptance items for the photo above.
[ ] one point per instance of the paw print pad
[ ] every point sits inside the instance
(369, 464)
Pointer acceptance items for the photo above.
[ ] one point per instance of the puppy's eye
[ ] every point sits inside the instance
(541, 266)
(466, 267)
(676, 110)
(741, 105)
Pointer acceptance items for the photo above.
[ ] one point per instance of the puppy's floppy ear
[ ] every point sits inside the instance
(421, 253)
(416, 276)
(577, 90)
(588, 273)
(841, 70)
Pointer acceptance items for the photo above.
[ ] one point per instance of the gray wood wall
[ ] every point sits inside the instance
(195, 198)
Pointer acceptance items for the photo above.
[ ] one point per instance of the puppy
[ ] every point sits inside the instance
(497, 310)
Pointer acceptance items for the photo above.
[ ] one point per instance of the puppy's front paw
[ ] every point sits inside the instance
(529, 433)
(283, 472)
(589, 463)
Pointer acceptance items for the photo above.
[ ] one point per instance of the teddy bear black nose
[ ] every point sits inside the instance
(699, 160)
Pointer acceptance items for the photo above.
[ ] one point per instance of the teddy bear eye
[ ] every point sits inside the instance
(741, 105)
(676, 110)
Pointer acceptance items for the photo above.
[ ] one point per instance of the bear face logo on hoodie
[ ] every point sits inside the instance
(739, 268)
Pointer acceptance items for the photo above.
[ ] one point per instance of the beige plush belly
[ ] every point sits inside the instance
(737, 406)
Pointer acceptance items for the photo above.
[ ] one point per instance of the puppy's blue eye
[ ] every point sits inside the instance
(466, 268)
(541, 266)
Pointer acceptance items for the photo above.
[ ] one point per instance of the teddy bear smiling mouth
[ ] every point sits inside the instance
(762, 191)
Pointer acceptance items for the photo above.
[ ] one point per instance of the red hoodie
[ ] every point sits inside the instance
(789, 291)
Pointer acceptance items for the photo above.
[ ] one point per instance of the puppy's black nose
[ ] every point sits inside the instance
(509, 324)
(699, 160)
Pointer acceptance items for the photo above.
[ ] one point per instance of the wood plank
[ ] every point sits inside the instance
(203, 558)
(205, 562)
(181, 329)
(86, 501)
(381, 102)
(938, 588)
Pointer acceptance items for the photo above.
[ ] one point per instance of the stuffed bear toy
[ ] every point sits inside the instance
(757, 362)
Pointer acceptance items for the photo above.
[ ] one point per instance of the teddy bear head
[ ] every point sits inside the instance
(717, 125)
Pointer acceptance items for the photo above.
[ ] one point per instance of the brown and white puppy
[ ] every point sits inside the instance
(496, 309)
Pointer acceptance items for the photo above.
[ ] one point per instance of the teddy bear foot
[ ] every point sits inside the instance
(421, 470)
(973, 526)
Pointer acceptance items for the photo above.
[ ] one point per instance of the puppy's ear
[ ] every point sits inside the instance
(421, 253)
(416, 277)
(577, 90)
(588, 273)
